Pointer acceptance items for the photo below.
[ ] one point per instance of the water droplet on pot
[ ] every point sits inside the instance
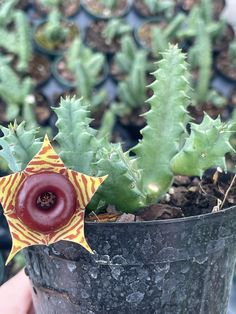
(71, 266)
(135, 297)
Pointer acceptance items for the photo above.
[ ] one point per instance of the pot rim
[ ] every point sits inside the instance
(210, 215)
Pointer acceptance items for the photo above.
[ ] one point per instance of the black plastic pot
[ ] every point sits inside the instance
(178, 266)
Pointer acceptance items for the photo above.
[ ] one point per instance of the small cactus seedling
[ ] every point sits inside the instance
(24, 47)
(200, 57)
(56, 33)
(92, 62)
(157, 6)
(87, 68)
(18, 42)
(13, 90)
(166, 148)
(204, 12)
(202, 93)
(115, 28)
(132, 91)
(124, 59)
(7, 10)
(162, 37)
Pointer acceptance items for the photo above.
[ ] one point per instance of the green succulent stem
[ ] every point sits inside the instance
(166, 122)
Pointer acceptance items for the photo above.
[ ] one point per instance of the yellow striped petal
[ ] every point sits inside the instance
(85, 186)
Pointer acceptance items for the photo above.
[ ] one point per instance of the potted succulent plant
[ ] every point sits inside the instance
(17, 43)
(131, 96)
(155, 34)
(123, 60)
(55, 35)
(204, 97)
(148, 8)
(165, 266)
(106, 9)
(95, 66)
(106, 36)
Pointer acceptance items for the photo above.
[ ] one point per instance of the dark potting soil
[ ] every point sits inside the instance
(145, 32)
(197, 112)
(187, 5)
(232, 99)
(39, 69)
(222, 42)
(98, 8)
(225, 65)
(187, 197)
(142, 8)
(64, 72)
(116, 73)
(42, 109)
(3, 107)
(67, 8)
(23, 4)
(96, 41)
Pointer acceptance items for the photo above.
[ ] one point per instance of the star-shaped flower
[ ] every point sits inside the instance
(45, 203)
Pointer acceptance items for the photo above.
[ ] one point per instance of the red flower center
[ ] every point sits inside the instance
(46, 201)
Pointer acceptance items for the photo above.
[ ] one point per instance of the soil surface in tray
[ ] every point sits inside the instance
(42, 109)
(187, 5)
(222, 42)
(226, 66)
(98, 8)
(39, 69)
(143, 10)
(145, 32)
(187, 197)
(67, 8)
(95, 39)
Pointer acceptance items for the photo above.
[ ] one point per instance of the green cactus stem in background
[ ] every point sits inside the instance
(115, 28)
(23, 41)
(19, 145)
(200, 56)
(53, 30)
(7, 10)
(13, 90)
(132, 91)
(161, 38)
(204, 12)
(124, 58)
(18, 41)
(164, 6)
(93, 63)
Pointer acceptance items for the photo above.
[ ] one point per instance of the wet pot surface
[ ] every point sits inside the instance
(177, 266)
